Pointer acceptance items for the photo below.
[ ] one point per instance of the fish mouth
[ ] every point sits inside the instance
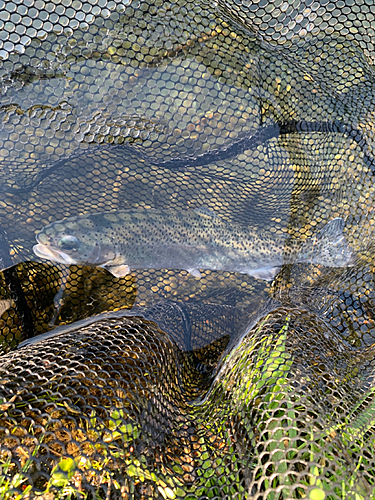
(54, 255)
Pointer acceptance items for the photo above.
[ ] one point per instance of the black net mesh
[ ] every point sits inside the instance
(158, 383)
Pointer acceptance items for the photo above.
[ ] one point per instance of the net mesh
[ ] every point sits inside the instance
(158, 384)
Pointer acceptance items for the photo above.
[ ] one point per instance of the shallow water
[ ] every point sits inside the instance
(120, 116)
(259, 112)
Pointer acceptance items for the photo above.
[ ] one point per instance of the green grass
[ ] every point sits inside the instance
(255, 381)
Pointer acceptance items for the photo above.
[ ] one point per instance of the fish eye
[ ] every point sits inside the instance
(68, 242)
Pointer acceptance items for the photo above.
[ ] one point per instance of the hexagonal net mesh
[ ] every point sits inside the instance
(242, 125)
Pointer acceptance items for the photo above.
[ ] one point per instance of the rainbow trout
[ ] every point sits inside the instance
(192, 239)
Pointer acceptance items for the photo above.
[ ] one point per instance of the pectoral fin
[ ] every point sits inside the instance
(5, 304)
(119, 271)
(267, 273)
(195, 273)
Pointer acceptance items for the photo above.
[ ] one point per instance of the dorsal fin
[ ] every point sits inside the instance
(205, 212)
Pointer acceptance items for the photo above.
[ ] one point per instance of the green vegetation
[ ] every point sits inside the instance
(295, 456)
(261, 433)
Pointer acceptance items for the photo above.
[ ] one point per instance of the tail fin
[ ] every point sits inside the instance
(329, 247)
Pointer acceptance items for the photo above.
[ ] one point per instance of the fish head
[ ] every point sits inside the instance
(74, 241)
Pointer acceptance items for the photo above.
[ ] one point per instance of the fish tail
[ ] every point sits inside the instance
(329, 247)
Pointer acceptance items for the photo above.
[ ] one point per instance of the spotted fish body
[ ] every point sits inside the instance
(193, 239)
